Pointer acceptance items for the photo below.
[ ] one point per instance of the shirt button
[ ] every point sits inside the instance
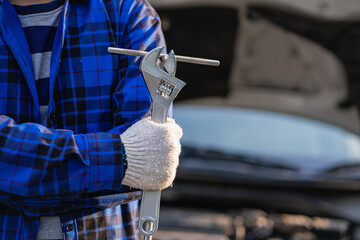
(69, 227)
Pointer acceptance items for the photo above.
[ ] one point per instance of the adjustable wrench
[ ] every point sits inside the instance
(163, 87)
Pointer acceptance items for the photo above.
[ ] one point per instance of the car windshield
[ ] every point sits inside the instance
(299, 141)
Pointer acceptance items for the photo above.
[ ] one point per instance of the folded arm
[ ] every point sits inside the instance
(38, 162)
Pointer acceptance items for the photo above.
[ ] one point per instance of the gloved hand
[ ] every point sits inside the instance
(152, 153)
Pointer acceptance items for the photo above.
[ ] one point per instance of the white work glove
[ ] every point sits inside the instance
(152, 153)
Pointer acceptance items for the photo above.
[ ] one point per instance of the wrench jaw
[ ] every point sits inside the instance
(170, 64)
(163, 85)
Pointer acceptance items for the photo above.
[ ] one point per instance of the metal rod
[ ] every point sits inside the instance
(179, 58)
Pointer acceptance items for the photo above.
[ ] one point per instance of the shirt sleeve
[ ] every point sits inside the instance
(131, 96)
(38, 162)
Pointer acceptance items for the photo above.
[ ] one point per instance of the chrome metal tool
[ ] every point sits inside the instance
(179, 58)
(163, 87)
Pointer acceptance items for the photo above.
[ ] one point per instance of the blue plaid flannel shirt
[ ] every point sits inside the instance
(73, 167)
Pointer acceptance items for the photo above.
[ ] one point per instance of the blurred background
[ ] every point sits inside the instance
(271, 146)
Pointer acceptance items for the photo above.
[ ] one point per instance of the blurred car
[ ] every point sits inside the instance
(271, 146)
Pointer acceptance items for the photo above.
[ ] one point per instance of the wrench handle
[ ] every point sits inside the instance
(159, 114)
(150, 202)
(149, 213)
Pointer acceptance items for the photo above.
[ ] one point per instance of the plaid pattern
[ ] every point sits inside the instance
(73, 167)
(95, 226)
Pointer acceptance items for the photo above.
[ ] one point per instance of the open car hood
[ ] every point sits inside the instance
(276, 55)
